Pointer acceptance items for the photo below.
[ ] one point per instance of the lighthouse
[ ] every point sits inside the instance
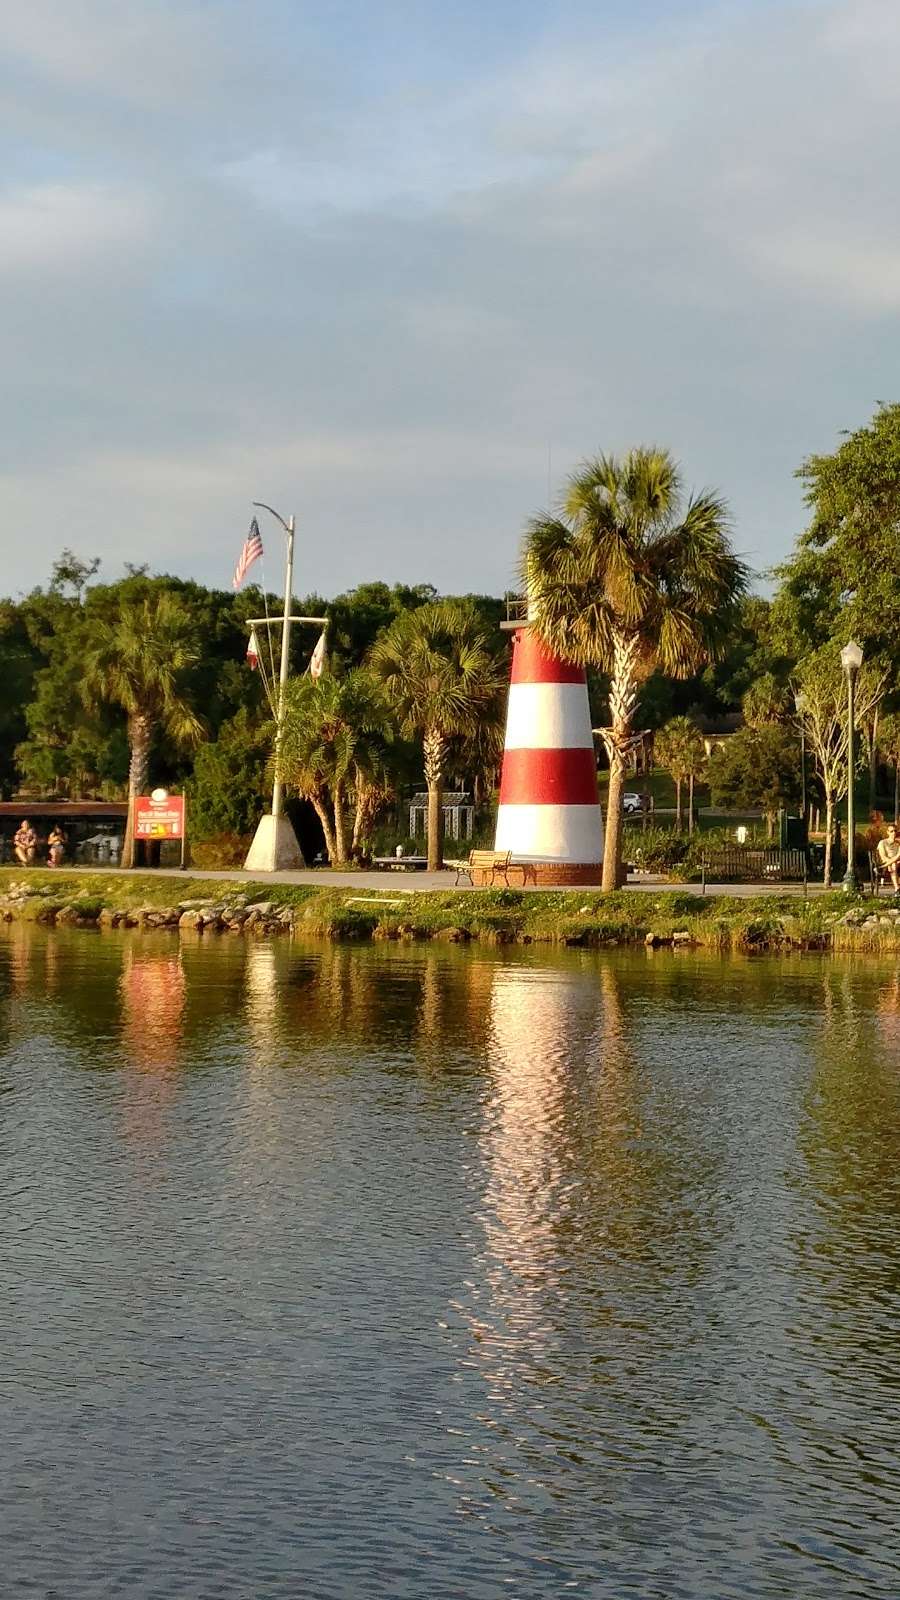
(549, 814)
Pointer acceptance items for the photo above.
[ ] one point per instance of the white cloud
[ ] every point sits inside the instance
(382, 311)
(58, 229)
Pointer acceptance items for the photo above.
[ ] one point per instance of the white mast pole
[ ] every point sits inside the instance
(277, 796)
(275, 844)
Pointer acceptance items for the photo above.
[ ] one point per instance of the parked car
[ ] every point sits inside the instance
(632, 804)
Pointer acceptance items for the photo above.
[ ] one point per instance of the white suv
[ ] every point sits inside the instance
(632, 804)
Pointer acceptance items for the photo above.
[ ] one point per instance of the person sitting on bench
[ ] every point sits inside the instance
(25, 843)
(888, 856)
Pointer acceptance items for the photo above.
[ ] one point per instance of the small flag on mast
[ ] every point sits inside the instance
(253, 549)
(252, 650)
(317, 659)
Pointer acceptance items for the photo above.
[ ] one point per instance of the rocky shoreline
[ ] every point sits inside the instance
(672, 919)
(237, 914)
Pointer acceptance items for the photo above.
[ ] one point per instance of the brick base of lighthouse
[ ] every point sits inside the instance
(544, 875)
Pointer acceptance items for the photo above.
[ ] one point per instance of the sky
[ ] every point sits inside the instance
(398, 267)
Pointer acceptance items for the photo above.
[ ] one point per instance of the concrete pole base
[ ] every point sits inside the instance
(274, 847)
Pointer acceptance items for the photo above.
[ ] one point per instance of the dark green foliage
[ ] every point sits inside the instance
(843, 577)
(228, 790)
(757, 768)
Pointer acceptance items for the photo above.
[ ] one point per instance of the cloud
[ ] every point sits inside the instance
(373, 272)
(58, 229)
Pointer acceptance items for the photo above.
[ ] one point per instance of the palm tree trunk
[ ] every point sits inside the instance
(678, 817)
(360, 814)
(872, 732)
(622, 702)
(612, 843)
(140, 735)
(340, 824)
(829, 835)
(691, 803)
(435, 752)
(321, 810)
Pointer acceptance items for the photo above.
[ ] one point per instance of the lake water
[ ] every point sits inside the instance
(417, 1272)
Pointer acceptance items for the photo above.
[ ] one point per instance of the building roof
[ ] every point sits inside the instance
(74, 810)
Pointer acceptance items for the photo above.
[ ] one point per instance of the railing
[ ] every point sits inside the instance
(739, 864)
(516, 610)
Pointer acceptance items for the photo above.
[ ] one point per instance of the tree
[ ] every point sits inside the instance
(227, 790)
(841, 581)
(332, 750)
(631, 581)
(442, 679)
(69, 571)
(766, 701)
(757, 768)
(137, 660)
(20, 660)
(889, 750)
(823, 713)
(678, 748)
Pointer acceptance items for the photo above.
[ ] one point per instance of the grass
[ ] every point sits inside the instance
(493, 916)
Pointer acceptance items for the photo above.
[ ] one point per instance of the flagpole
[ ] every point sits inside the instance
(277, 787)
(275, 844)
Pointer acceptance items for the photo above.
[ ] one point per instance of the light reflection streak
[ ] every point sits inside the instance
(153, 993)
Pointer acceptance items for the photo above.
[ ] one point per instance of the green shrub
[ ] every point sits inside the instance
(658, 849)
(220, 850)
(227, 792)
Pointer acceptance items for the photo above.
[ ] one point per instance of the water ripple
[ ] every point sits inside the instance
(410, 1273)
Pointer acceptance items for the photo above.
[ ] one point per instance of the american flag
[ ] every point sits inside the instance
(251, 552)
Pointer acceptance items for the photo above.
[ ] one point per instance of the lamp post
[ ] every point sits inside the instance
(800, 703)
(851, 661)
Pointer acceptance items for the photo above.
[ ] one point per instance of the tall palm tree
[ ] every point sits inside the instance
(678, 748)
(632, 581)
(443, 680)
(137, 659)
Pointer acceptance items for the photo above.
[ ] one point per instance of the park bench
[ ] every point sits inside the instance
(486, 861)
(740, 864)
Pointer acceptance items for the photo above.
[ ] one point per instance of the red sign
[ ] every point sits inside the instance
(159, 819)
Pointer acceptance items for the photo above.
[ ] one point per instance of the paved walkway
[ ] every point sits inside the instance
(393, 882)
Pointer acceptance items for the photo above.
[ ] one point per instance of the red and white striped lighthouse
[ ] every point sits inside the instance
(549, 813)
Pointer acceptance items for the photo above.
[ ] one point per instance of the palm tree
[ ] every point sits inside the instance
(137, 659)
(631, 581)
(327, 735)
(678, 748)
(443, 680)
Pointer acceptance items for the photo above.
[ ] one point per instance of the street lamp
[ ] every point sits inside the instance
(851, 661)
(800, 703)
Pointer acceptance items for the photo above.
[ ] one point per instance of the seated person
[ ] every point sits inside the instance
(888, 856)
(56, 846)
(25, 843)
